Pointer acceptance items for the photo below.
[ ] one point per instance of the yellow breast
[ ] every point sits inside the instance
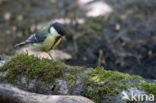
(47, 44)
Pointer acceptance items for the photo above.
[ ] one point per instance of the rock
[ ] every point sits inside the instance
(56, 78)
(57, 55)
(3, 59)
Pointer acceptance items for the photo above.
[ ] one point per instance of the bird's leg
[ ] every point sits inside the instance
(50, 56)
(27, 53)
(37, 55)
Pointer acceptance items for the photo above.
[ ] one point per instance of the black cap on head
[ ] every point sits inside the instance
(59, 28)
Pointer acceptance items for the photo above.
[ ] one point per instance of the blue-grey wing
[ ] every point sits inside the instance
(36, 38)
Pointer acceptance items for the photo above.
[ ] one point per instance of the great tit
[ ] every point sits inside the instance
(46, 39)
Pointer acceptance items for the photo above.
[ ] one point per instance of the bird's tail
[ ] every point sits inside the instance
(21, 44)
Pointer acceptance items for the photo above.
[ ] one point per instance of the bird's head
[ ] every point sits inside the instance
(57, 29)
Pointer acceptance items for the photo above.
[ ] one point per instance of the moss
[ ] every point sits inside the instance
(99, 85)
(100, 93)
(150, 88)
(99, 74)
(104, 83)
(72, 74)
(71, 79)
(44, 69)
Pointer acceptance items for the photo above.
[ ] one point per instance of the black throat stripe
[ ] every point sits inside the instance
(55, 42)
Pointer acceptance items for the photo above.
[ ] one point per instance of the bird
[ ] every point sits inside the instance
(46, 39)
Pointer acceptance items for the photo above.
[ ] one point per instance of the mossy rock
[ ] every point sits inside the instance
(43, 69)
(97, 84)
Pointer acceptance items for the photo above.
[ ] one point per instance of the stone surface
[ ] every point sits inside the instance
(57, 55)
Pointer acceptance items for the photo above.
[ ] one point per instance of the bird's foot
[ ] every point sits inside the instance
(51, 57)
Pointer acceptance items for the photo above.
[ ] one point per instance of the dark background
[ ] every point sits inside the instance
(117, 34)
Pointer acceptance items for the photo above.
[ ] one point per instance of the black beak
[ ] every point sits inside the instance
(63, 37)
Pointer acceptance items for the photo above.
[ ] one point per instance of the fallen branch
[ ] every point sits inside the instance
(10, 94)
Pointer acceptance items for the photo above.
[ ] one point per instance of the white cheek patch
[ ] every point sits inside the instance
(53, 31)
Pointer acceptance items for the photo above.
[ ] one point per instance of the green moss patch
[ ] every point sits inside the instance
(150, 88)
(31, 67)
(44, 69)
(102, 83)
